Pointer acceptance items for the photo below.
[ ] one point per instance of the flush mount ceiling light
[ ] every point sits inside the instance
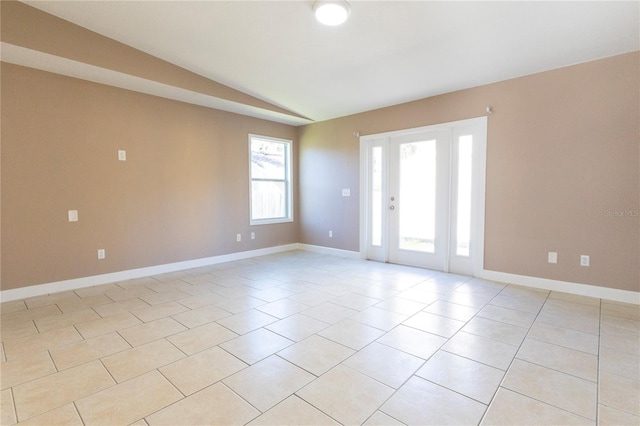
(331, 12)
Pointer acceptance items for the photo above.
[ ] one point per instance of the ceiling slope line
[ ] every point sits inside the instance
(23, 56)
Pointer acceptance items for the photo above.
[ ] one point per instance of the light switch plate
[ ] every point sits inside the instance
(584, 260)
(122, 155)
(552, 257)
(101, 254)
(73, 215)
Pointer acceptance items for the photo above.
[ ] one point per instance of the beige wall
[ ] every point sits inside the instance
(182, 194)
(562, 151)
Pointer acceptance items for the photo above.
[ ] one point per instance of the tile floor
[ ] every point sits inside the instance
(305, 338)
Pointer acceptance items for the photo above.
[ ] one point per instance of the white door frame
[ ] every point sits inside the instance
(479, 177)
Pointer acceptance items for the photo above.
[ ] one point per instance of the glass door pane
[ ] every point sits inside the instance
(375, 176)
(376, 196)
(417, 196)
(463, 216)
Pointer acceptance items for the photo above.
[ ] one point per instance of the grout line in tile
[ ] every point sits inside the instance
(553, 369)
(456, 392)
(244, 362)
(240, 396)
(78, 412)
(598, 363)
(172, 384)
(173, 403)
(595, 422)
(109, 372)
(318, 408)
(15, 407)
(53, 361)
(174, 345)
(112, 300)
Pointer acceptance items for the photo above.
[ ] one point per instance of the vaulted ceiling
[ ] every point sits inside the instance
(388, 52)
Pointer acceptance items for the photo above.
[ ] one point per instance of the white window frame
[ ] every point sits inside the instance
(287, 181)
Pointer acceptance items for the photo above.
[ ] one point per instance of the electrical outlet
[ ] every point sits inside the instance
(238, 237)
(73, 215)
(330, 234)
(122, 155)
(552, 257)
(253, 235)
(101, 254)
(346, 192)
(584, 260)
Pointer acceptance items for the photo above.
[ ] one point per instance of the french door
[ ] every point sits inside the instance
(423, 196)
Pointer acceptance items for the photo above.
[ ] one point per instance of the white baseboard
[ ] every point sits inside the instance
(54, 287)
(564, 286)
(331, 251)
(542, 283)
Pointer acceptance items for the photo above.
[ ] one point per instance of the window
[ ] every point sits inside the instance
(270, 169)
(465, 187)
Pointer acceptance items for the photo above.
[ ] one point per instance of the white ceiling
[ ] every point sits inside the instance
(387, 53)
